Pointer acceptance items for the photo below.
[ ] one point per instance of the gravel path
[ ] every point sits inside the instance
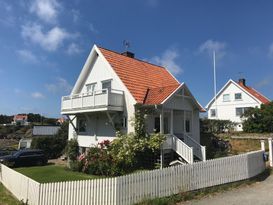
(260, 193)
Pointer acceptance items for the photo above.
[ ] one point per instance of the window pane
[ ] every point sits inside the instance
(82, 125)
(188, 128)
(238, 96)
(212, 112)
(226, 97)
(106, 85)
(239, 111)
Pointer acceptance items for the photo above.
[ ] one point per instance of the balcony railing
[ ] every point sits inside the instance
(108, 99)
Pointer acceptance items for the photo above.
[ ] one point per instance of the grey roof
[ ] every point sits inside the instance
(45, 130)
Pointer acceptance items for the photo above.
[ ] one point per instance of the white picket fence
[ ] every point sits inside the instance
(133, 188)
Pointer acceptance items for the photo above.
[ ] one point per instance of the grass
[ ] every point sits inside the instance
(53, 173)
(185, 196)
(245, 145)
(6, 197)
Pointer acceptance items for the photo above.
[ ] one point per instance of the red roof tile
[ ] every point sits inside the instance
(139, 76)
(255, 93)
(158, 95)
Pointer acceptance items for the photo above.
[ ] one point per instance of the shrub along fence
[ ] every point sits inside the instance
(133, 188)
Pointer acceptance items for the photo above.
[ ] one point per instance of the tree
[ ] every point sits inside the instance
(259, 119)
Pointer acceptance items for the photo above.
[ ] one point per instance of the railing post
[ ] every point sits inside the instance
(270, 152)
(263, 145)
(204, 153)
(191, 157)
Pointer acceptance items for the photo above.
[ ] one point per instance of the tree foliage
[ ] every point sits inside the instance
(216, 126)
(259, 120)
(53, 146)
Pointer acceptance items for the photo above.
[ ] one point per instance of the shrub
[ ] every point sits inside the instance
(72, 149)
(259, 119)
(216, 126)
(52, 146)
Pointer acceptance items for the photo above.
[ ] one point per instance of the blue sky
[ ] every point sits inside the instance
(44, 44)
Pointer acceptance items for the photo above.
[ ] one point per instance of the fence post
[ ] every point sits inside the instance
(270, 152)
(263, 145)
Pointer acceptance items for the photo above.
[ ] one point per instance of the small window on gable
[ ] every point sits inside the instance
(212, 112)
(90, 88)
(106, 85)
(226, 97)
(238, 96)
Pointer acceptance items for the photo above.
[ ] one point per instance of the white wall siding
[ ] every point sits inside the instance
(136, 187)
(227, 110)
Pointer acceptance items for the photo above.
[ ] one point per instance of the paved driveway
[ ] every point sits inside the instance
(260, 193)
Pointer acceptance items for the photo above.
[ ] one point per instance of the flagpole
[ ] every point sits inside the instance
(214, 75)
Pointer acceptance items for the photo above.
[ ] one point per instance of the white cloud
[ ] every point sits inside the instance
(73, 48)
(270, 51)
(93, 28)
(50, 40)
(46, 10)
(210, 45)
(61, 85)
(37, 95)
(168, 60)
(27, 56)
(75, 15)
(264, 82)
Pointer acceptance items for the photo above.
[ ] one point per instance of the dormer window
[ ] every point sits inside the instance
(226, 97)
(238, 96)
(106, 85)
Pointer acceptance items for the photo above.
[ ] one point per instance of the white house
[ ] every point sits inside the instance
(232, 101)
(110, 84)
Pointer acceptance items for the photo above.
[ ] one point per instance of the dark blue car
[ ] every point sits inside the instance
(28, 157)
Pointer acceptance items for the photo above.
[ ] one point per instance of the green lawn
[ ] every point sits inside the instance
(53, 173)
(6, 197)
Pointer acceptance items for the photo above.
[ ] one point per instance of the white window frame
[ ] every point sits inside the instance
(239, 98)
(106, 81)
(93, 86)
(226, 99)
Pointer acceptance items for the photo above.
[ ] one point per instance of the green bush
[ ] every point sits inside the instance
(259, 120)
(216, 126)
(72, 149)
(52, 146)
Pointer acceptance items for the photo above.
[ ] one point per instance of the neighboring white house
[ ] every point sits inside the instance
(233, 100)
(110, 84)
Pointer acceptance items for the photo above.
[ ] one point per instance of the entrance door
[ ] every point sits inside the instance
(157, 125)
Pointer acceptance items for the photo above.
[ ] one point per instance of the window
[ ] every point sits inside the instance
(106, 85)
(226, 98)
(90, 88)
(82, 125)
(212, 112)
(238, 96)
(239, 111)
(124, 122)
(188, 126)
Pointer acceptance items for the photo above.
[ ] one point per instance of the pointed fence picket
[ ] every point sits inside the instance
(133, 188)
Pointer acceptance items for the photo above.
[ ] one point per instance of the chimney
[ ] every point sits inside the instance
(128, 54)
(242, 81)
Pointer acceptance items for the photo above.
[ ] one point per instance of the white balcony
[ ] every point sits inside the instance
(98, 100)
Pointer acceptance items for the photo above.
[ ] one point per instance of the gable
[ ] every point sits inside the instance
(231, 87)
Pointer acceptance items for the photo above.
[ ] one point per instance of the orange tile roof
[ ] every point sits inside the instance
(255, 93)
(140, 76)
(158, 95)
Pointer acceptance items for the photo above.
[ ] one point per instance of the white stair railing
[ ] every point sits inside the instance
(173, 142)
(198, 150)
